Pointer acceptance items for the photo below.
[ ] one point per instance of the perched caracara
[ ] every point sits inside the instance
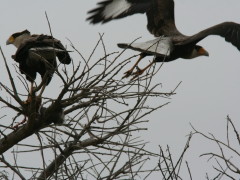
(170, 43)
(37, 54)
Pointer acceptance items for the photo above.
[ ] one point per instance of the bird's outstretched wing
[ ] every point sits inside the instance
(228, 30)
(114, 9)
(160, 14)
(161, 18)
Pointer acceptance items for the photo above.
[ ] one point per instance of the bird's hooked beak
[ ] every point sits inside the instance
(203, 52)
(10, 40)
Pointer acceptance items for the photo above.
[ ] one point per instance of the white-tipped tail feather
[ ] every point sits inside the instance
(160, 46)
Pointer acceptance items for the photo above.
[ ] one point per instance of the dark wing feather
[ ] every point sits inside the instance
(161, 19)
(115, 9)
(39, 41)
(32, 62)
(30, 73)
(160, 14)
(229, 30)
(45, 40)
(28, 64)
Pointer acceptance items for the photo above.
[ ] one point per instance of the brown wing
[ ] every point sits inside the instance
(229, 30)
(160, 14)
(161, 18)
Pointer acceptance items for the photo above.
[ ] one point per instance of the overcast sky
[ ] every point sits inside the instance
(210, 85)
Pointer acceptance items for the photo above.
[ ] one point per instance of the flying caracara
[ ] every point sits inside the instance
(170, 43)
(37, 54)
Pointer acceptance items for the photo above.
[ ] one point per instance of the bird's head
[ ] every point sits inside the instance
(199, 51)
(17, 38)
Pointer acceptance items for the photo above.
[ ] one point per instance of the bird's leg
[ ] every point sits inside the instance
(129, 72)
(29, 99)
(140, 71)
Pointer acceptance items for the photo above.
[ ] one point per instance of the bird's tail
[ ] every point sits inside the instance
(64, 57)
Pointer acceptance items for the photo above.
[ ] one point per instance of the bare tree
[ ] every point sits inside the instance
(89, 131)
(226, 161)
(167, 167)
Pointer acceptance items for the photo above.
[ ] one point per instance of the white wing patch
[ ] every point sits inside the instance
(115, 8)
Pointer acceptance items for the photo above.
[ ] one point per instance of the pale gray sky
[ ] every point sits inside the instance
(210, 85)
